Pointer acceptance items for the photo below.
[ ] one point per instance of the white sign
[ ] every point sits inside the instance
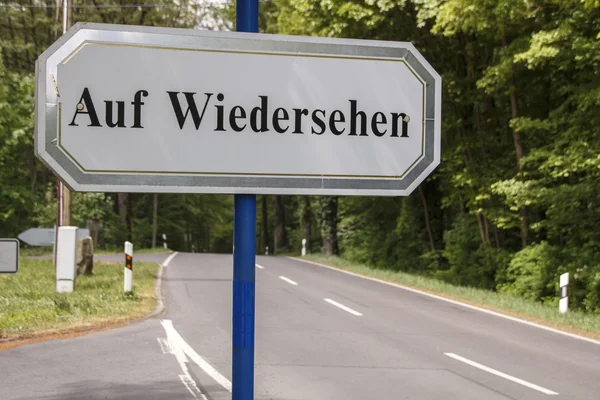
(9, 256)
(38, 236)
(45, 236)
(169, 110)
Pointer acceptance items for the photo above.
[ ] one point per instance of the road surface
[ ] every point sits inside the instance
(320, 334)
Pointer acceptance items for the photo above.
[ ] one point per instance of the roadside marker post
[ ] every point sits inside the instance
(164, 239)
(303, 247)
(563, 303)
(65, 259)
(128, 271)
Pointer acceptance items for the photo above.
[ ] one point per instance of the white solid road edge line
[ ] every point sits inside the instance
(259, 266)
(169, 259)
(288, 280)
(343, 307)
(501, 374)
(177, 342)
(458, 303)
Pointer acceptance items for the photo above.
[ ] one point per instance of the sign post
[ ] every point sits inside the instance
(244, 257)
(239, 113)
(563, 303)
(128, 271)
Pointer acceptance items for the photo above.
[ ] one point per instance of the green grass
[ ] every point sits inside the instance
(29, 304)
(579, 322)
(35, 251)
(47, 251)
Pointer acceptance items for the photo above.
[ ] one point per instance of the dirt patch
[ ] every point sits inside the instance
(12, 342)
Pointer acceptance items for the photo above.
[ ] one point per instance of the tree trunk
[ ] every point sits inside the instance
(487, 228)
(514, 111)
(130, 217)
(328, 212)
(265, 223)
(307, 223)
(84, 256)
(497, 237)
(123, 199)
(279, 224)
(93, 226)
(66, 206)
(481, 230)
(188, 233)
(155, 220)
(69, 13)
(427, 221)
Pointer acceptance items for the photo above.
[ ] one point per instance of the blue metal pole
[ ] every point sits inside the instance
(244, 256)
(246, 16)
(244, 250)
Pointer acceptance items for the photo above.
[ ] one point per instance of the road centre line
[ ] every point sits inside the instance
(458, 303)
(343, 307)
(288, 280)
(501, 374)
(179, 347)
(259, 266)
(169, 259)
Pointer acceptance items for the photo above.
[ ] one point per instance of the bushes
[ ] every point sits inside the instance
(532, 271)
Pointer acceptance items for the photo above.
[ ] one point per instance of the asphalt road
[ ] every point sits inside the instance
(320, 334)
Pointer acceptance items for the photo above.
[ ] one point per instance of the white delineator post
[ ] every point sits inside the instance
(164, 238)
(563, 304)
(128, 273)
(65, 258)
(303, 247)
(266, 250)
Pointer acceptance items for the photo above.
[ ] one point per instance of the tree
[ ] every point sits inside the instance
(328, 208)
(307, 219)
(280, 238)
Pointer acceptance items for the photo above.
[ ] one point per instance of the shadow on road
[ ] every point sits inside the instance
(99, 390)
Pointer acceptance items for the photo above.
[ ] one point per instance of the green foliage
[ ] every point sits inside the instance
(532, 272)
(18, 166)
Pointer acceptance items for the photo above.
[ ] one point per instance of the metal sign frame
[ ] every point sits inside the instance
(17, 245)
(47, 127)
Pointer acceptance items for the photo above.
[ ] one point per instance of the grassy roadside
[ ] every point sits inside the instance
(29, 305)
(585, 324)
(47, 251)
(36, 251)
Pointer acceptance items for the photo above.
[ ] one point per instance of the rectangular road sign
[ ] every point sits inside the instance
(145, 109)
(9, 256)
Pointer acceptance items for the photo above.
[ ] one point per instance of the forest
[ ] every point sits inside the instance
(514, 203)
